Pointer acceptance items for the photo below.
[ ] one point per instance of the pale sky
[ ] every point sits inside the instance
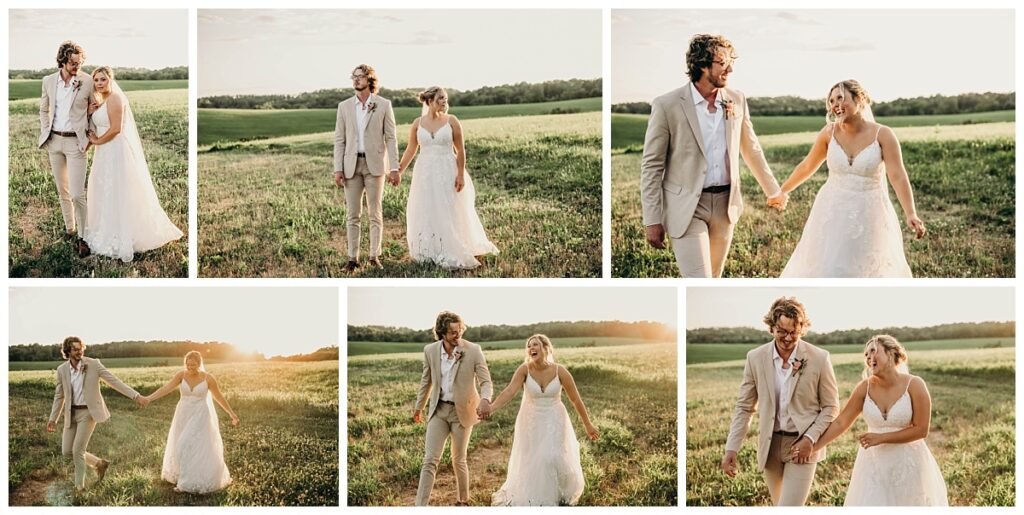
(837, 308)
(274, 321)
(417, 308)
(892, 53)
(150, 38)
(281, 51)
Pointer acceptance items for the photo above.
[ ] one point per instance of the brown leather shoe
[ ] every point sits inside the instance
(68, 236)
(83, 249)
(375, 263)
(350, 267)
(101, 469)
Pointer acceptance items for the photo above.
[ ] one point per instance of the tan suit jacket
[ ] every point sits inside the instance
(470, 370)
(94, 371)
(79, 108)
(813, 405)
(674, 163)
(379, 138)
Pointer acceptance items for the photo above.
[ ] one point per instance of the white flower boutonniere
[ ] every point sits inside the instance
(730, 108)
(371, 106)
(76, 84)
(458, 354)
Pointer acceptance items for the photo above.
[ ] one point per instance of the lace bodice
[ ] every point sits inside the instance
(198, 393)
(899, 416)
(101, 119)
(549, 395)
(860, 172)
(437, 142)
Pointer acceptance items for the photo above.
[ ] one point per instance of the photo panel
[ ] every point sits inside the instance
(512, 396)
(173, 396)
(768, 143)
(381, 143)
(850, 396)
(98, 163)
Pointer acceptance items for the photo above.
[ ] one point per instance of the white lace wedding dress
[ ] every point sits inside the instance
(441, 224)
(194, 456)
(544, 466)
(895, 474)
(852, 230)
(124, 213)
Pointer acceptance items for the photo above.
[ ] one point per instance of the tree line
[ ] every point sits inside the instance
(931, 105)
(121, 73)
(490, 333)
(520, 93)
(159, 349)
(747, 335)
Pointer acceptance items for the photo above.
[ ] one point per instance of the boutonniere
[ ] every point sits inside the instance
(371, 106)
(798, 366)
(458, 354)
(76, 84)
(729, 106)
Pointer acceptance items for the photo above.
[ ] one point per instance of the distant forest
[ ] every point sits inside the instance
(491, 333)
(171, 73)
(910, 334)
(796, 106)
(156, 349)
(521, 93)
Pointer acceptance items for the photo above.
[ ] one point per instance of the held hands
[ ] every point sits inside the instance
(656, 236)
(778, 200)
(395, 178)
(917, 226)
(484, 409)
(802, 450)
(143, 401)
(730, 465)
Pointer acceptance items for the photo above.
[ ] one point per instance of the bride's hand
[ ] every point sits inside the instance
(917, 226)
(592, 432)
(460, 182)
(234, 419)
(92, 138)
(868, 440)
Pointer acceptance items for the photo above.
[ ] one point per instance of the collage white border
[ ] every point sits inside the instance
(607, 6)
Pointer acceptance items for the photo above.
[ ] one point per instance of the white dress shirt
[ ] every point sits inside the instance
(362, 119)
(712, 128)
(63, 97)
(77, 384)
(783, 379)
(448, 374)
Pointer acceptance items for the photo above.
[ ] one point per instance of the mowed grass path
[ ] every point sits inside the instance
(972, 430)
(629, 390)
(270, 208)
(283, 453)
(19, 89)
(963, 178)
(226, 125)
(36, 224)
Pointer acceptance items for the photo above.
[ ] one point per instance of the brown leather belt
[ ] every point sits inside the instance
(716, 189)
(65, 134)
(361, 154)
(787, 433)
(74, 407)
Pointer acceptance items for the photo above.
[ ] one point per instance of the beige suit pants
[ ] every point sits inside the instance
(68, 163)
(444, 422)
(75, 440)
(788, 483)
(702, 249)
(373, 185)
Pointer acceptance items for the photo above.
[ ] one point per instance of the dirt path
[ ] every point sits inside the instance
(483, 480)
(40, 490)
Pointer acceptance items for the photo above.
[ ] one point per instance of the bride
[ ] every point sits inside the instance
(544, 466)
(852, 230)
(194, 456)
(894, 466)
(124, 214)
(441, 221)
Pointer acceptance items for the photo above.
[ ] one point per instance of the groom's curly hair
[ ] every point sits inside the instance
(790, 308)
(65, 348)
(371, 76)
(66, 50)
(445, 319)
(702, 52)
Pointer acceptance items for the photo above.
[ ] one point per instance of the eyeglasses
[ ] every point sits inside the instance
(782, 333)
(724, 64)
(357, 77)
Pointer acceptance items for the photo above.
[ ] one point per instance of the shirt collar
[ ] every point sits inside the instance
(792, 357)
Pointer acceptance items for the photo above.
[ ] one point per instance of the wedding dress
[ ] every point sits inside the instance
(852, 230)
(895, 474)
(124, 213)
(441, 224)
(194, 456)
(544, 466)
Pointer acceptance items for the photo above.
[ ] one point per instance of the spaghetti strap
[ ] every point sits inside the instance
(907, 389)
(877, 132)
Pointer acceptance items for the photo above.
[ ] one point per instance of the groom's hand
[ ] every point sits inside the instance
(656, 236)
(730, 465)
(51, 427)
(339, 179)
(142, 401)
(802, 450)
(778, 200)
(484, 409)
(417, 416)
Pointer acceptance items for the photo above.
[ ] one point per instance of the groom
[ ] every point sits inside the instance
(364, 144)
(690, 173)
(78, 398)
(63, 124)
(794, 388)
(452, 370)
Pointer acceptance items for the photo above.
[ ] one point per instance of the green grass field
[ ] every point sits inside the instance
(284, 452)
(364, 348)
(630, 392)
(963, 179)
(972, 430)
(270, 208)
(628, 129)
(36, 225)
(222, 125)
(714, 352)
(19, 89)
(17, 366)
